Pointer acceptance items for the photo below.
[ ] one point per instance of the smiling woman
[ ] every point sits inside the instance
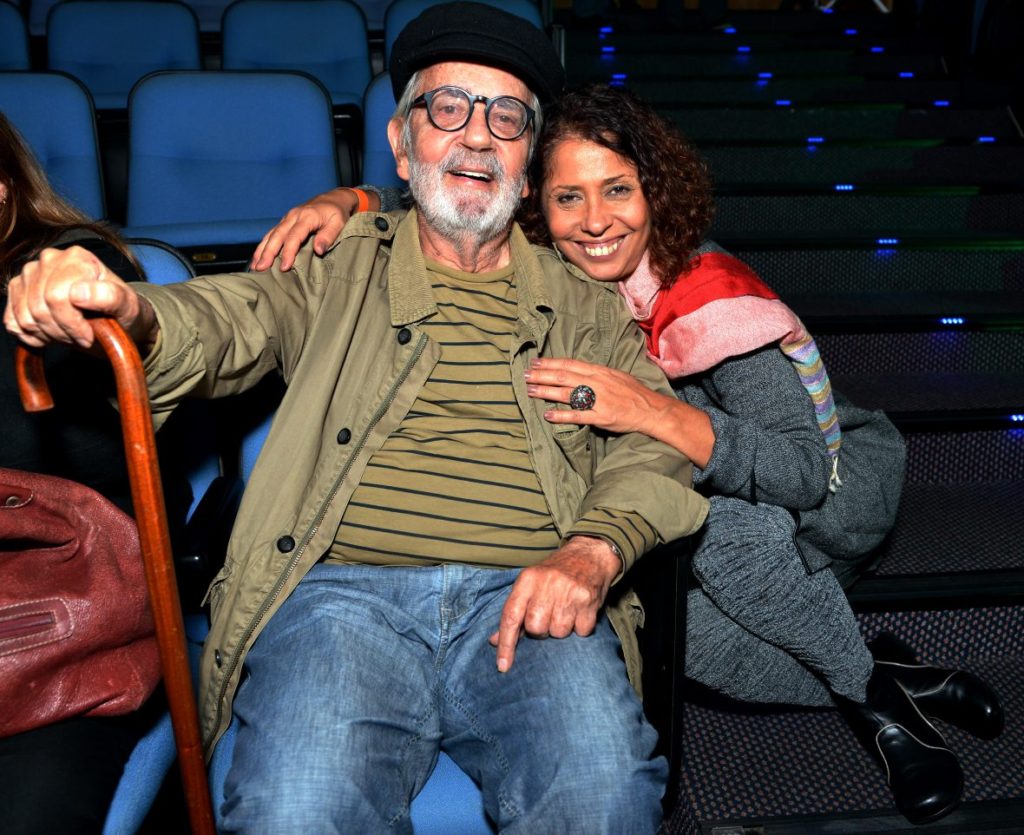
(596, 209)
(802, 484)
(637, 163)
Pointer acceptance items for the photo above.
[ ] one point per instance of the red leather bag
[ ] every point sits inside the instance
(76, 633)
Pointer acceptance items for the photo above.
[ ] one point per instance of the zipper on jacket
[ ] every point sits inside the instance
(25, 625)
(283, 577)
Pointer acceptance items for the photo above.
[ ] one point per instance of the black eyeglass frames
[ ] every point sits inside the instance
(450, 108)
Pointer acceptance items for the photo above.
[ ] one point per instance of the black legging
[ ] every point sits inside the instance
(61, 778)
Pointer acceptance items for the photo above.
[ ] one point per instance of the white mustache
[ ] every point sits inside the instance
(484, 161)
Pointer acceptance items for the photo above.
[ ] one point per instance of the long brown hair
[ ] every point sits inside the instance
(673, 176)
(33, 216)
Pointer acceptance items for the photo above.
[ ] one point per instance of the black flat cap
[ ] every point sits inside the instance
(478, 34)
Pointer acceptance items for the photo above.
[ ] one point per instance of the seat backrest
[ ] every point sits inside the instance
(400, 12)
(13, 39)
(194, 444)
(325, 38)
(378, 107)
(161, 262)
(374, 11)
(226, 147)
(110, 44)
(38, 11)
(209, 13)
(55, 115)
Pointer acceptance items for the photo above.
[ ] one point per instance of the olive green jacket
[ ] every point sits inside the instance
(343, 330)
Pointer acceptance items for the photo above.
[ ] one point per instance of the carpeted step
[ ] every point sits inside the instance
(893, 121)
(899, 162)
(762, 766)
(820, 278)
(866, 215)
(761, 64)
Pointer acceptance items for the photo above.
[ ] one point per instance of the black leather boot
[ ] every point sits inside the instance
(923, 774)
(954, 696)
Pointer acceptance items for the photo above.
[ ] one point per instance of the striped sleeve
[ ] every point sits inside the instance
(629, 532)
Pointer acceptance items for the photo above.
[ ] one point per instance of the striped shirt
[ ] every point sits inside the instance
(454, 482)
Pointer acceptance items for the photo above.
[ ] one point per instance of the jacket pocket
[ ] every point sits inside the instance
(215, 592)
(577, 445)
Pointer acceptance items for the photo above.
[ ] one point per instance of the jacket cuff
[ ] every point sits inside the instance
(629, 534)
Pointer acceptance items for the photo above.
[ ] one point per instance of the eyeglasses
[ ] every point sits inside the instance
(450, 108)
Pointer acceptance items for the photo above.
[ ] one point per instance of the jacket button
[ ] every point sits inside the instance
(285, 544)
(381, 223)
(344, 436)
(217, 658)
(404, 335)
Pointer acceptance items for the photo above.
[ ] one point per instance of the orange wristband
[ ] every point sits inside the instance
(362, 200)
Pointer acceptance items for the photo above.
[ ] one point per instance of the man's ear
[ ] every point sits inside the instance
(395, 126)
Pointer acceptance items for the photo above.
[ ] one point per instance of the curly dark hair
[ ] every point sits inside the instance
(673, 176)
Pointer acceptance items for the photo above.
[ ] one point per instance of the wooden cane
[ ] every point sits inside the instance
(155, 542)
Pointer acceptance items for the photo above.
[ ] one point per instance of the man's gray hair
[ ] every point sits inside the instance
(404, 106)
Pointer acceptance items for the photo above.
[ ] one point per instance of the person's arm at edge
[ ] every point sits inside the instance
(50, 299)
(624, 404)
(326, 215)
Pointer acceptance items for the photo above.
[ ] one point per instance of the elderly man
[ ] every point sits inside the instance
(414, 528)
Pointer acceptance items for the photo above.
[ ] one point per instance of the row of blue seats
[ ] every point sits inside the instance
(111, 44)
(209, 13)
(213, 157)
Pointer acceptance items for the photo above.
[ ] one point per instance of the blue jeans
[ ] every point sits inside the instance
(365, 673)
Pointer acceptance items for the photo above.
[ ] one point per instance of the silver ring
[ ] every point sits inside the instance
(582, 398)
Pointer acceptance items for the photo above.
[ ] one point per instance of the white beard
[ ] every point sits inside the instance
(459, 216)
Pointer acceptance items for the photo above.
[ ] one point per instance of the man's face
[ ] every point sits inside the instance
(467, 181)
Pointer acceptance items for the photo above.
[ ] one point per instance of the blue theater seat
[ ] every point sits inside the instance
(325, 38)
(218, 157)
(110, 44)
(13, 39)
(378, 107)
(55, 115)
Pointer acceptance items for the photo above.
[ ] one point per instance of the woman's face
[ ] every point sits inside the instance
(595, 209)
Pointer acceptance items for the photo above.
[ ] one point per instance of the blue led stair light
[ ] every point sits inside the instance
(843, 187)
(878, 49)
(906, 74)
(815, 140)
(941, 102)
(986, 139)
(606, 30)
(952, 320)
(607, 50)
(618, 76)
(783, 102)
(1017, 418)
(730, 30)
(827, 11)
(888, 241)
(764, 75)
(849, 31)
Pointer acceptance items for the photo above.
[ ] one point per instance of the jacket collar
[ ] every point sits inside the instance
(409, 288)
